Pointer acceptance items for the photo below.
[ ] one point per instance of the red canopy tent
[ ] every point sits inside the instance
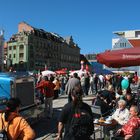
(62, 71)
(120, 58)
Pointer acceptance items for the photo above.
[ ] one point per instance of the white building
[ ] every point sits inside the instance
(126, 39)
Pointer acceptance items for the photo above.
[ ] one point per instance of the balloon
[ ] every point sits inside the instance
(125, 83)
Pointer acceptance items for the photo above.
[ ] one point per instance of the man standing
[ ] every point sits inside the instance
(47, 89)
(39, 77)
(101, 81)
(82, 80)
(87, 83)
(72, 112)
(74, 81)
(96, 82)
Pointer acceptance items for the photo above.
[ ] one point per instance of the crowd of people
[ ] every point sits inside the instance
(121, 104)
(108, 94)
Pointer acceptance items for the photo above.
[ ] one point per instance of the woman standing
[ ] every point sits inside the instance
(18, 128)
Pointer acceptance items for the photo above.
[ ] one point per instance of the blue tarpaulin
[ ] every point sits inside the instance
(103, 71)
(5, 87)
(98, 68)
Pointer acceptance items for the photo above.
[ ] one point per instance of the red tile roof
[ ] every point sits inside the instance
(135, 42)
(5, 45)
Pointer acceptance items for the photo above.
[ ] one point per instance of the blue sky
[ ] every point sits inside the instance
(90, 22)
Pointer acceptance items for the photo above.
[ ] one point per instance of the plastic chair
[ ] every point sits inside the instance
(96, 110)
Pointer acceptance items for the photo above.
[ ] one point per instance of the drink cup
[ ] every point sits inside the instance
(108, 121)
(110, 118)
(96, 121)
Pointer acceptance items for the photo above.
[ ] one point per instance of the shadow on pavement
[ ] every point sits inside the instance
(47, 126)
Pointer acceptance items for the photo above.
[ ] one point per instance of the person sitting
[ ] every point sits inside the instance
(18, 128)
(121, 116)
(128, 130)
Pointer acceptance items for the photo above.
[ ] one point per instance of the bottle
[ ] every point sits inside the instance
(111, 134)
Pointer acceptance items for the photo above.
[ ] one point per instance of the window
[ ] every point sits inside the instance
(21, 47)
(31, 64)
(31, 47)
(21, 38)
(10, 47)
(14, 56)
(21, 55)
(9, 55)
(31, 54)
(125, 44)
(14, 47)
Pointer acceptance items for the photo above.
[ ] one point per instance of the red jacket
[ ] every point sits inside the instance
(46, 88)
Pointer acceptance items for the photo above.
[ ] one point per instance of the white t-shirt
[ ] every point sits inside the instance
(101, 78)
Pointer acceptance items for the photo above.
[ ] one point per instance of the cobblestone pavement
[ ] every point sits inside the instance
(47, 128)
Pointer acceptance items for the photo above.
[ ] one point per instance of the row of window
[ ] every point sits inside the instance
(69, 58)
(21, 55)
(91, 56)
(47, 46)
(21, 47)
(122, 45)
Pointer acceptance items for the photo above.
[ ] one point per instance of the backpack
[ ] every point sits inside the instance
(3, 135)
(81, 125)
(3, 131)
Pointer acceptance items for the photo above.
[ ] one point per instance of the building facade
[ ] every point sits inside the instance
(126, 39)
(36, 49)
(1, 50)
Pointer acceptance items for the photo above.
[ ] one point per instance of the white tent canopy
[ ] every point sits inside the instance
(48, 72)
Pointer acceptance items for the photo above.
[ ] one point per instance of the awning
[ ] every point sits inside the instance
(120, 58)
